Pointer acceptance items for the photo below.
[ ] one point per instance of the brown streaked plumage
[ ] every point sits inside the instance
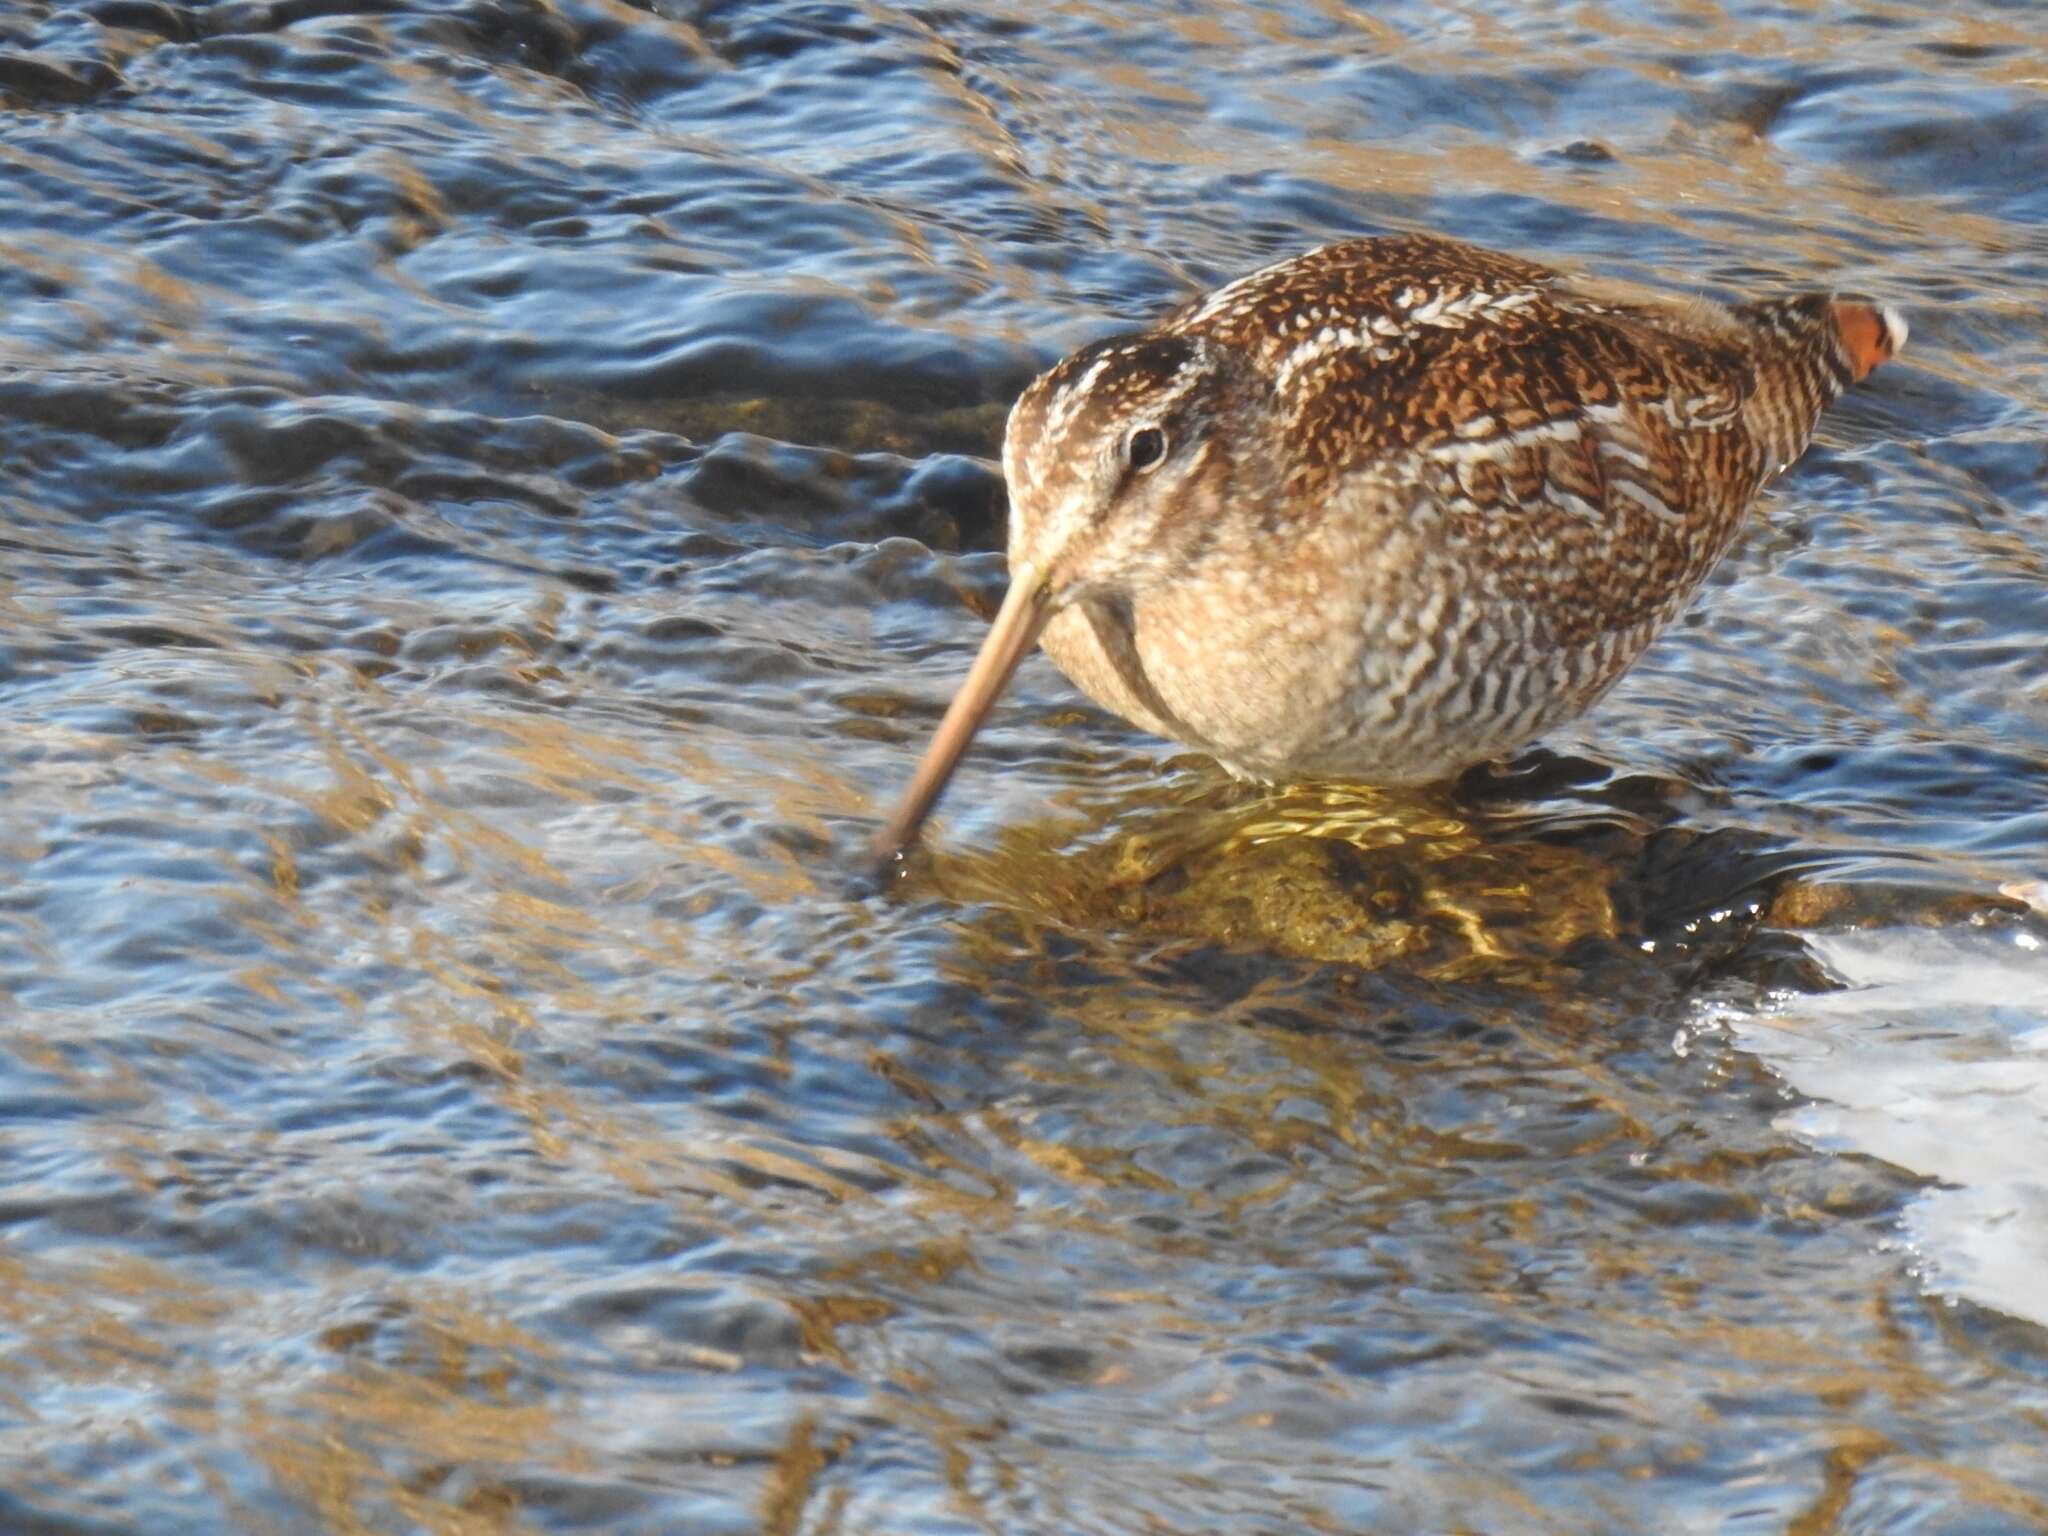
(1390, 508)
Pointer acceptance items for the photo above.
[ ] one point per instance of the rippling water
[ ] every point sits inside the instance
(495, 495)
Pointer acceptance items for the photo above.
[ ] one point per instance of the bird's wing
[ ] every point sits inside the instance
(1583, 452)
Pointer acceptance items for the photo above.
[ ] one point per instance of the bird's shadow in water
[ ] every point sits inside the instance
(1544, 871)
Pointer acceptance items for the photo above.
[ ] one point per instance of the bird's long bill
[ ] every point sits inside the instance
(1010, 639)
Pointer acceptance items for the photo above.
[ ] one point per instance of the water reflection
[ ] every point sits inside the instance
(494, 498)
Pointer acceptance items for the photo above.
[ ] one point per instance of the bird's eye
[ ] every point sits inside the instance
(1145, 449)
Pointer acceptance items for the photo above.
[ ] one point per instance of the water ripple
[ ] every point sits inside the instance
(493, 494)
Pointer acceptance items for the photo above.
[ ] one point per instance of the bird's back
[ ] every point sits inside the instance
(1565, 462)
(1570, 434)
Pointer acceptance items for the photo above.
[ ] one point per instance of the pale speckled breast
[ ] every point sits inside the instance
(1409, 689)
(1252, 666)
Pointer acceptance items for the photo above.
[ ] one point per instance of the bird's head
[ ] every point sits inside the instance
(1120, 462)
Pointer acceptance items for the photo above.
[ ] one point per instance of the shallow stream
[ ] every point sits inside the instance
(494, 495)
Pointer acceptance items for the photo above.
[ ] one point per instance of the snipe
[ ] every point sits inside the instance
(1390, 508)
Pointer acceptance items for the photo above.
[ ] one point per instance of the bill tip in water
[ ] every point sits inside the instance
(885, 856)
(872, 867)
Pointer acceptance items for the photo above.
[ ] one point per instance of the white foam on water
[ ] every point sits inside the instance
(1935, 1059)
